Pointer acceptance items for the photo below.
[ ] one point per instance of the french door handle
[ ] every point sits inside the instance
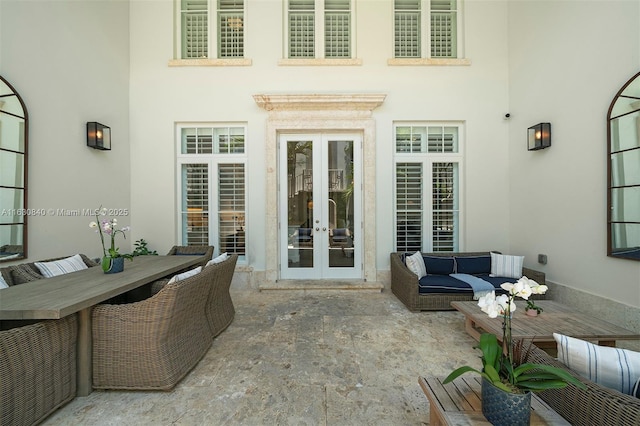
(324, 229)
(317, 229)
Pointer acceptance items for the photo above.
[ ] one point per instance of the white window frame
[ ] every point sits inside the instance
(212, 58)
(427, 160)
(319, 57)
(425, 39)
(213, 161)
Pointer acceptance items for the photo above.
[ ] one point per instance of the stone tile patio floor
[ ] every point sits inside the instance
(301, 358)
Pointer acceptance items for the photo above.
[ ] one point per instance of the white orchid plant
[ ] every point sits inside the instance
(498, 358)
(109, 227)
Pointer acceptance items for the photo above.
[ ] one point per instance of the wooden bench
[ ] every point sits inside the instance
(459, 403)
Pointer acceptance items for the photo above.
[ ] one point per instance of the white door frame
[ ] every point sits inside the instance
(320, 112)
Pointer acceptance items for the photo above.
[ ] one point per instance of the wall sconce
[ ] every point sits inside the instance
(98, 136)
(539, 136)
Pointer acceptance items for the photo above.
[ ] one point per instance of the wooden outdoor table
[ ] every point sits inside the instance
(57, 297)
(556, 318)
(459, 403)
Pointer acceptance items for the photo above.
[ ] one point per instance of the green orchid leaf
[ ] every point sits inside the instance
(540, 385)
(491, 350)
(559, 373)
(458, 372)
(492, 374)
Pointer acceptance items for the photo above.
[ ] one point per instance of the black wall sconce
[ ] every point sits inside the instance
(98, 136)
(539, 136)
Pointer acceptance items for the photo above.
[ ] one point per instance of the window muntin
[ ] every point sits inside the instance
(208, 140)
(426, 35)
(331, 37)
(427, 175)
(196, 19)
(212, 187)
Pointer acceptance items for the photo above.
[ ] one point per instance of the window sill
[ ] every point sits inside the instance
(228, 62)
(319, 62)
(429, 61)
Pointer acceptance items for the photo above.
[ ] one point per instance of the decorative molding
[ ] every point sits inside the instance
(320, 102)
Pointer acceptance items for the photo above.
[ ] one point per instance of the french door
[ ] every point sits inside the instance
(320, 206)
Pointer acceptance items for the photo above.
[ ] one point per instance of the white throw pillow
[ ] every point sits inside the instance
(503, 265)
(185, 275)
(219, 259)
(415, 263)
(614, 368)
(3, 283)
(62, 266)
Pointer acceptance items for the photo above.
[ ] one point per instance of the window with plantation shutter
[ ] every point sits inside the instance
(231, 207)
(427, 175)
(310, 38)
(212, 214)
(409, 209)
(195, 29)
(205, 23)
(426, 28)
(443, 28)
(230, 28)
(195, 204)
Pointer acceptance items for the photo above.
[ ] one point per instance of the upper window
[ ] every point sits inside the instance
(207, 23)
(427, 28)
(319, 29)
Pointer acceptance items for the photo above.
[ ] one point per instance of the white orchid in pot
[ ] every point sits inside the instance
(504, 379)
(109, 227)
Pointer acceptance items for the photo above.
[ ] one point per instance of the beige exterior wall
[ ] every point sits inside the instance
(109, 61)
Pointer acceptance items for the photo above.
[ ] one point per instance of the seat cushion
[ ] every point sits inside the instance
(447, 284)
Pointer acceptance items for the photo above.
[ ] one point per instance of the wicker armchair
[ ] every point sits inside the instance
(37, 370)
(152, 344)
(26, 272)
(220, 310)
(206, 251)
(404, 284)
(595, 406)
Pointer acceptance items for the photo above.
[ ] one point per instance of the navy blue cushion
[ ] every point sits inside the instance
(473, 264)
(447, 284)
(439, 265)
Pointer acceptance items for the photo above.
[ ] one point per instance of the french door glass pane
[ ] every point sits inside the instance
(409, 206)
(300, 203)
(231, 208)
(340, 203)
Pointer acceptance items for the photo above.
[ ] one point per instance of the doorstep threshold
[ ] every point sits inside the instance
(323, 285)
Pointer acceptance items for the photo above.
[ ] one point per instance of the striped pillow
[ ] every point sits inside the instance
(3, 283)
(614, 368)
(415, 263)
(62, 266)
(636, 389)
(503, 265)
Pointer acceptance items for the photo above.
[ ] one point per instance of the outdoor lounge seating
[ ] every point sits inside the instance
(26, 272)
(37, 370)
(206, 251)
(597, 405)
(436, 291)
(154, 343)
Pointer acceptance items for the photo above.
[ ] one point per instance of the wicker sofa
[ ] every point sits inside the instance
(37, 370)
(594, 406)
(405, 286)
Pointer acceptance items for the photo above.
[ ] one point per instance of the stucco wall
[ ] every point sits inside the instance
(476, 95)
(69, 60)
(567, 60)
